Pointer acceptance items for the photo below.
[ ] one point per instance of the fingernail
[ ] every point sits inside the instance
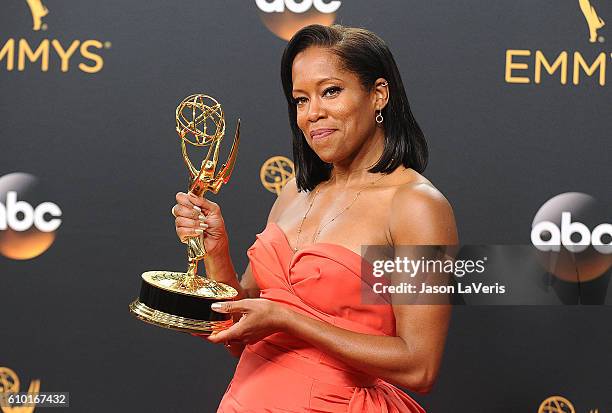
(201, 217)
(202, 225)
(199, 231)
(216, 306)
(197, 208)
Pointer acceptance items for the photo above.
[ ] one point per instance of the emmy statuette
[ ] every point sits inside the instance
(181, 301)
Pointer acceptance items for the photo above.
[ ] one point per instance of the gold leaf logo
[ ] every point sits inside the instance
(275, 172)
(38, 10)
(9, 384)
(593, 20)
(556, 404)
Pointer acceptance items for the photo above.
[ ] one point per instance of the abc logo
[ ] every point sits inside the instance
(298, 7)
(285, 17)
(573, 236)
(27, 228)
(564, 235)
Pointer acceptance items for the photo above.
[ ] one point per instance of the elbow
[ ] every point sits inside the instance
(425, 384)
(424, 389)
(421, 381)
(420, 371)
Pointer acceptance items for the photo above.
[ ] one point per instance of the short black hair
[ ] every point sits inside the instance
(364, 53)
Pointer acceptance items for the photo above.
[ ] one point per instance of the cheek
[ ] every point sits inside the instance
(356, 121)
(301, 118)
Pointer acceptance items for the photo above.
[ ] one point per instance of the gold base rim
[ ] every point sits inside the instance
(157, 279)
(173, 322)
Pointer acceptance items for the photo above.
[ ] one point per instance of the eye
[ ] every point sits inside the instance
(299, 101)
(332, 91)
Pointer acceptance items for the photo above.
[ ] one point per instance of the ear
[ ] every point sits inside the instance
(381, 91)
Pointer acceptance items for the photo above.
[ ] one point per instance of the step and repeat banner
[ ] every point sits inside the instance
(514, 99)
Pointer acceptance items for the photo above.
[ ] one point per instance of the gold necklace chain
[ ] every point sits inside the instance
(314, 238)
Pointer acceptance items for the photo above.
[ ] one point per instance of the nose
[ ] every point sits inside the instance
(315, 110)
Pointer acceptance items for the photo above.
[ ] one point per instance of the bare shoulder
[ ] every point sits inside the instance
(421, 214)
(287, 195)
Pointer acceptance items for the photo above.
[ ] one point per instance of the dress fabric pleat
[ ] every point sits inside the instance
(283, 374)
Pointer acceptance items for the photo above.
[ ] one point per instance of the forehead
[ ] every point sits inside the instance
(315, 63)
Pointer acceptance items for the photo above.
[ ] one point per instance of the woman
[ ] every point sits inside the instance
(308, 343)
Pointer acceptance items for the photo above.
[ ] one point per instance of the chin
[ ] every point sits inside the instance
(322, 154)
(327, 158)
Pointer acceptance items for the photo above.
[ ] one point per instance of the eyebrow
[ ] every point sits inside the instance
(323, 80)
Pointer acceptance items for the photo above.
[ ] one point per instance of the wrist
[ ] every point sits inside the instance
(219, 266)
(220, 251)
(285, 318)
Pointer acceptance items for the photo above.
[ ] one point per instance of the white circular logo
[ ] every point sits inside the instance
(284, 18)
(574, 234)
(27, 223)
(278, 6)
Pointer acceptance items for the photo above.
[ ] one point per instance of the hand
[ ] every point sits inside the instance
(196, 216)
(260, 318)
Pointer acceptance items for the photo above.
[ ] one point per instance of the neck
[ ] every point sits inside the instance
(353, 171)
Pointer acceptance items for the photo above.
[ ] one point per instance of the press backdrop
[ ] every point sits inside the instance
(87, 97)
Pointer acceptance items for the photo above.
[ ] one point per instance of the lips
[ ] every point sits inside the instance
(321, 133)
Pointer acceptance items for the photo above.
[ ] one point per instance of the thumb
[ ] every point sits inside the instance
(230, 306)
(221, 336)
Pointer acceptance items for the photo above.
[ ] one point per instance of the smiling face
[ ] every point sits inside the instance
(334, 111)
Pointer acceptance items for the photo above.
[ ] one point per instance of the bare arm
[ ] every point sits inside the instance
(248, 287)
(410, 359)
(420, 215)
(247, 283)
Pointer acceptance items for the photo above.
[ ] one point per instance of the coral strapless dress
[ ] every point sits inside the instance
(283, 374)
